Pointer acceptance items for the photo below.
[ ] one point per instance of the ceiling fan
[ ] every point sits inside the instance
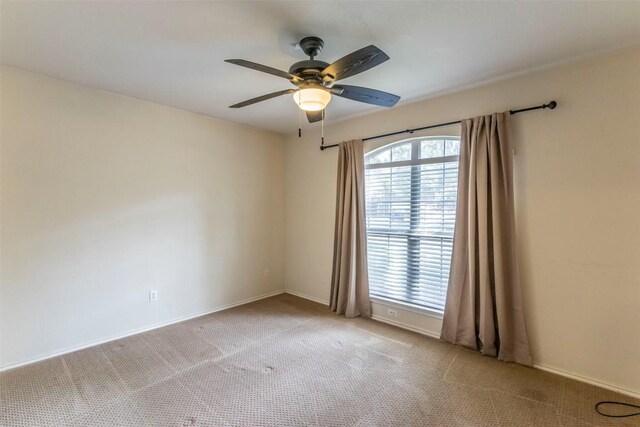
(315, 79)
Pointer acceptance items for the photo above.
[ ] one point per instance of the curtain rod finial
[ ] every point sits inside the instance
(552, 105)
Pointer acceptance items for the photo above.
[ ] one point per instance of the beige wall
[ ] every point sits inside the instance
(578, 208)
(105, 197)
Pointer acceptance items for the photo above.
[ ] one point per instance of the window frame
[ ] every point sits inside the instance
(414, 161)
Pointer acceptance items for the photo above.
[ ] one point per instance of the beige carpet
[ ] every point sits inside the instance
(285, 361)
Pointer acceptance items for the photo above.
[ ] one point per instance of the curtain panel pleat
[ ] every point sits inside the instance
(349, 280)
(484, 309)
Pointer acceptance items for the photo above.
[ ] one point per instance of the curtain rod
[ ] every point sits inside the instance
(551, 105)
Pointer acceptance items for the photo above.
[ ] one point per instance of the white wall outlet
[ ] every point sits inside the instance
(267, 273)
(153, 295)
(392, 313)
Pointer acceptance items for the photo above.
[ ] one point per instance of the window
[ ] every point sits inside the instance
(410, 190)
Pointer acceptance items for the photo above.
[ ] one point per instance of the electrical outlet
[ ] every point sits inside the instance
(392, 313)
(153, 295)
(267, 273)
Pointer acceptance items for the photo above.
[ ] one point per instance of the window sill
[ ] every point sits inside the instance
(406, 306)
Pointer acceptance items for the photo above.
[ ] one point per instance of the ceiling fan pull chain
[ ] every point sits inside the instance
(322, 134)
(299, 123)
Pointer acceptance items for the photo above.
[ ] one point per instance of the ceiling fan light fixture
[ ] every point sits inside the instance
(312, 99)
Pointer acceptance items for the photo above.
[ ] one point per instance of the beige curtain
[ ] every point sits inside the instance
(484, 299)
(349, 282)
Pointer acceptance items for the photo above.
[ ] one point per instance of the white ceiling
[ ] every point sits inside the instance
(172, 52)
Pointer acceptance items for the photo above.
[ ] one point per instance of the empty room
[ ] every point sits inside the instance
(319, 213)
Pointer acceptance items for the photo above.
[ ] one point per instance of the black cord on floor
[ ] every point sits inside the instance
(609, 402)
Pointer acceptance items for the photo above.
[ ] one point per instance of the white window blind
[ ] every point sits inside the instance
(411, 190)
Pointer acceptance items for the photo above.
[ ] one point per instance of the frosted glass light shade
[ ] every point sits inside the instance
(312, 99)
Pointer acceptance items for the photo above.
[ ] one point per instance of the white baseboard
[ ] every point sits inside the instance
(376, 318)
(587, 380)
(432, 334)
(402, 325)
(138, 331)
(301, 295)
(542, 367)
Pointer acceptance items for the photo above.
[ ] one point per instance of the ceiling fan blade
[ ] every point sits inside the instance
(314, 116)
(262, 98)
(264, 69)
(366, 95)
(354, 63)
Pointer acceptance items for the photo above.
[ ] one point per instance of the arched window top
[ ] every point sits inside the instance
(433, 147)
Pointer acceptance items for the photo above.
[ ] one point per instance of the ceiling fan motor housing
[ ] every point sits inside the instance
(308, 68)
